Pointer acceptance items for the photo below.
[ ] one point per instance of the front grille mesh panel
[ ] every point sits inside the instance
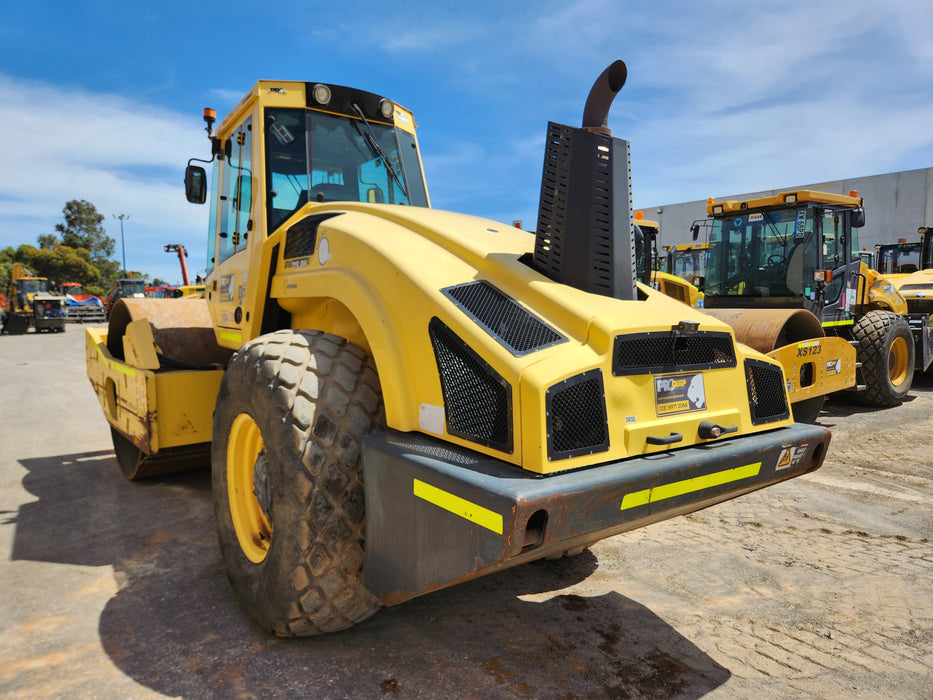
(576, 417)
(767, 397)
(663, 351)
(477, 400)
(301, 238)
(503, 318)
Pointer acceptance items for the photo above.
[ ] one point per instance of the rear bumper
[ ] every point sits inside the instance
(437, 515)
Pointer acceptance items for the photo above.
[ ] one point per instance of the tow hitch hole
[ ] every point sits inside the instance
(534, 530)
(817, 457)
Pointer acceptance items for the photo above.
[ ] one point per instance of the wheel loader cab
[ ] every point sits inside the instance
(285, 147)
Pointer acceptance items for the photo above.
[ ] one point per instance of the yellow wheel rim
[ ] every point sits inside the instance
(897, 361)
(253, 527)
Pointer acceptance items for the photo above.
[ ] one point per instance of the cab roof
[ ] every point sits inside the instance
(782, 200)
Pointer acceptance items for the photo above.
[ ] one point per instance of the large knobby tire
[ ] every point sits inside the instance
(287, 480)
(886, 351)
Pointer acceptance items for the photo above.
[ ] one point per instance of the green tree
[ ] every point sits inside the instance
(64, 264)
(83, 228)
(47, 241)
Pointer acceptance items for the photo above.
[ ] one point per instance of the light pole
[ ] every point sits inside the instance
(122, 218)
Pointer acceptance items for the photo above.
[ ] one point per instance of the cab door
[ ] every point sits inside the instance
(839, 293)
(235, 211)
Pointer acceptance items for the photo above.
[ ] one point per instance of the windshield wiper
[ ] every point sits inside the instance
(374, 146)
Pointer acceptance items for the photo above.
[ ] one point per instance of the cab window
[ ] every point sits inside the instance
(236, 199)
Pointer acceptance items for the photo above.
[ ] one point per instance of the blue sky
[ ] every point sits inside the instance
(102, 100)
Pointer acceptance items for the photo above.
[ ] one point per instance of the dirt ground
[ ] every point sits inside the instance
(818, 587)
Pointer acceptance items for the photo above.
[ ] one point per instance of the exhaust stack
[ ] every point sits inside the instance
(584, 235)
(603, 92)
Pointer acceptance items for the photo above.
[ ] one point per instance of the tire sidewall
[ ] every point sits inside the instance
(269, 590)
(255, 584)
(893, 327)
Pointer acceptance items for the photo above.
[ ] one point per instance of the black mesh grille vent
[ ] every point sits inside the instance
(576, 417)
(477, 401)
(302, 236)
(503, 318)
(767, 396)
(663, 351)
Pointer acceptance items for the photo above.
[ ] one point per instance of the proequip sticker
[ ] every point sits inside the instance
(679, 393)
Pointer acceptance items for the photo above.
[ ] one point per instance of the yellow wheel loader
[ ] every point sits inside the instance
(786, 272)
(396, 399)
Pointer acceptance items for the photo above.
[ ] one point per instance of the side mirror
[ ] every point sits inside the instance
(858, 218)
(195, 184)
(695, 230)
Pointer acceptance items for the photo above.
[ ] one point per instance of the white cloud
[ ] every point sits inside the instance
(123, 157)
(721, 98)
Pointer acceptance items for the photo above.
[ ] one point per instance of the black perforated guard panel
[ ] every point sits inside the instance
(584, 236)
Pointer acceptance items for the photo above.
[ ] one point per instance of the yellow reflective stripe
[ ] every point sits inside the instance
(128, 371)
(459, 506)
(234, 337)
(697, 483)
(827, 324)
(125, 369)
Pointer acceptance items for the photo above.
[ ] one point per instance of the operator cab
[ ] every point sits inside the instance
(899, 258)
(793, 249)
(285, 149)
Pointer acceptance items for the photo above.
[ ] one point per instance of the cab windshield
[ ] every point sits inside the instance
(33, 286)
(688, 263)
(131, 287)
(899, 259)
(316, 157)
(760, 253)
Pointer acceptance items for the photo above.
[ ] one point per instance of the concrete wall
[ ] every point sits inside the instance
(895, 205)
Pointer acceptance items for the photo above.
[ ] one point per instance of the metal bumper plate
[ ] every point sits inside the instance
(437, 514)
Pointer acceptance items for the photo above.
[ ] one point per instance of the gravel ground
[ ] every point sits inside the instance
(817, 587)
